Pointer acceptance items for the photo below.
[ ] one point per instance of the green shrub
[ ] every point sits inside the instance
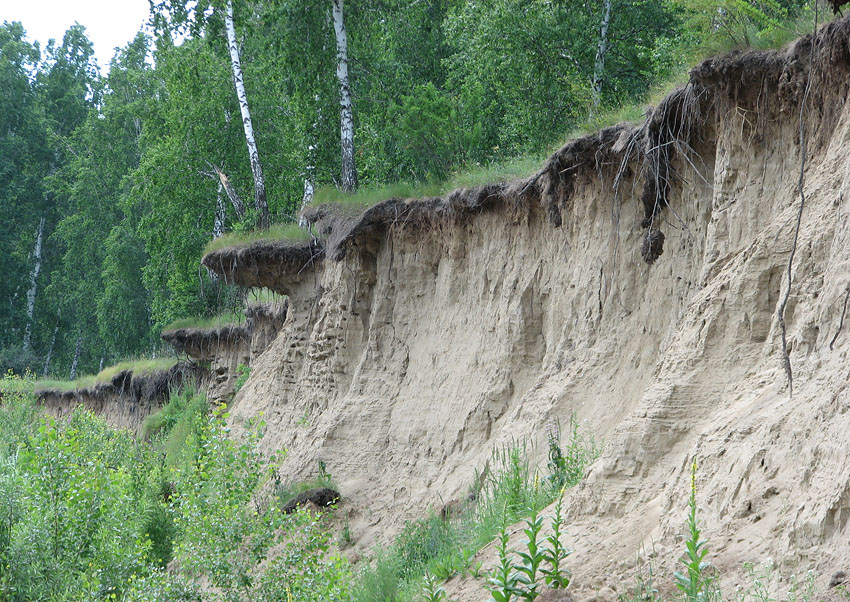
(182, 416)
(243, 372)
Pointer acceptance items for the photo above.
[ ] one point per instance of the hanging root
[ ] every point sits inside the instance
(667, 134)
(781, 311)
(841, 322)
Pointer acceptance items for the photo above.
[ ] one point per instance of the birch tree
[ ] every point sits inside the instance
(36, 270)
(601, 52)
(349, 171)
(310, 169)
(260, 201)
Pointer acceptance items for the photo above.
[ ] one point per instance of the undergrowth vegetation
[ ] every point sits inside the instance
(445, 543)
(90, 513)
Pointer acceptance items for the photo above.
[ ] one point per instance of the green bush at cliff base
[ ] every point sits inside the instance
(90, 513)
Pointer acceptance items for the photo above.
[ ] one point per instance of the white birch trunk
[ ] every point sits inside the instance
(220, 213)
(36, 269)
(77, 349)
(349, 171)
(306, 199)
(601, 52)
(309, 187)
(50, 351)
(256, 168)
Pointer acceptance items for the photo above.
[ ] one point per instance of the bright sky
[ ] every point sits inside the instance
(108, 23)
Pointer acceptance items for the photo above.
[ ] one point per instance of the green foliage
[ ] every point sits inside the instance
(73, 519)
(567, 465)
(503, 578)
(511, 488)
(445, 546)
(518, 576)
(304, 570)
(531, 558)
(555, 575)
(177, 421)
(243, 372)
(431, 590)
(694, 582)
(18, 360)
(88, 513)
(715, 26)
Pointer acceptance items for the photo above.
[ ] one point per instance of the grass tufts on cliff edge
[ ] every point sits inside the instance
(276, 232)
(138, 367)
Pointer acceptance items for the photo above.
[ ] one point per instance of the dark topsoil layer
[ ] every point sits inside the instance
(148, 387)
(204, 343)
(771, 84)
(270, 264)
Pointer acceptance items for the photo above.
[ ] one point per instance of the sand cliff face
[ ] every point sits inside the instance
(435, 330)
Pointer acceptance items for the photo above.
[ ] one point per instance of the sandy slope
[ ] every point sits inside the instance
(405, 362)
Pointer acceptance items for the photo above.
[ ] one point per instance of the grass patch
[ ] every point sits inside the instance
(443, 547)
(83, 382)
(137, 367)
(13, 383)
(207, 322)
(283, 232)
(286, 491)
(367, 196)
(477, 175)
(182, 416)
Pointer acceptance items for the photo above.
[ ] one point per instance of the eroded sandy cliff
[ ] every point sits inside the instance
(424, 333)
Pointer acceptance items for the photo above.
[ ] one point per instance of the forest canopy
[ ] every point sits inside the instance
(113, 180)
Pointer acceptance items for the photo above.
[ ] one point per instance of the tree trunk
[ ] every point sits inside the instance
(36, 269)
(50, 352)
(601, 52)
(220, 214)
(260, 201)
(307, 197)
(310, 171)
(224, 182)
(77, 349)
(309, 187)
(349, 171)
